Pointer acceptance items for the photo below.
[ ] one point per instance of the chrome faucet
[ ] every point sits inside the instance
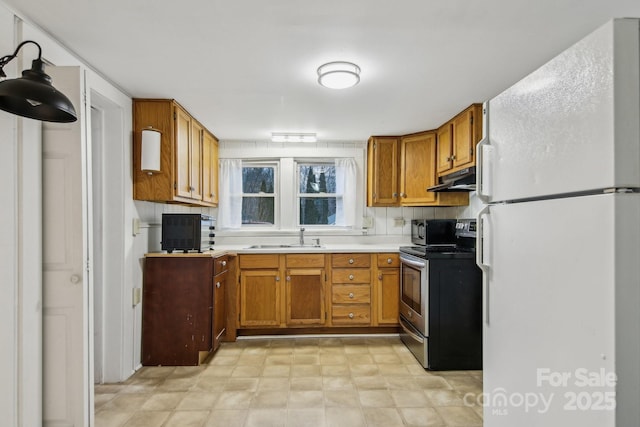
(301, 236)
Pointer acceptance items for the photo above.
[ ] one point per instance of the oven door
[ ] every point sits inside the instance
(414, 291)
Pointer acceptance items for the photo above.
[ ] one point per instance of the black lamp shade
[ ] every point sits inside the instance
(33, 96)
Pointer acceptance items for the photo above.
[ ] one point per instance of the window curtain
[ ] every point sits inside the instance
(230, 203)
(346, 176)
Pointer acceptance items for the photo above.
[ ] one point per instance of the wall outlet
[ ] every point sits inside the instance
(398, 222)
(367, 222)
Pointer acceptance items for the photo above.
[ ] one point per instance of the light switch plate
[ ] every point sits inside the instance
(137, 296)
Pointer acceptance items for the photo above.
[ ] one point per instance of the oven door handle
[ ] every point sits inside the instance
(417, 264)
(411, 333)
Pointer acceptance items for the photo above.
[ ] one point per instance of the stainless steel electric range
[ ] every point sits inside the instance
(441, 296)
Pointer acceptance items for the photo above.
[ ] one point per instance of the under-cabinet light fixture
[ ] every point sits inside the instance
(33, 95)
(338, 75)
(293, 137)
(150, 151)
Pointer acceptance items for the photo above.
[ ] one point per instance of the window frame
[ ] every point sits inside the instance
(275, 164)
(299, 196)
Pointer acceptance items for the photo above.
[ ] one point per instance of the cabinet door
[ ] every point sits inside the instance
(417, 163)
(209, 169)
(182, 185)
(382, 176)
(463, 139)
(219, 307)
(305, 297)
(259, 298)
(195, 157)
(444, 149)
(388, 296)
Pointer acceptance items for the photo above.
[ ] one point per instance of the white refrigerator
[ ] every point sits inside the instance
(559, 239)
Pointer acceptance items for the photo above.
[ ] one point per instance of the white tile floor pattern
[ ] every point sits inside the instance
(295, 382)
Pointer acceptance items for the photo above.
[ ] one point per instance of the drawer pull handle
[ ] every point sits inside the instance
(389, 260)
(217, 284)
(351, 295)
(351, 316)
(350, 260)
(351, 277)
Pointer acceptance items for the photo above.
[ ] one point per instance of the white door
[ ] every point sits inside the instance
(66, 289)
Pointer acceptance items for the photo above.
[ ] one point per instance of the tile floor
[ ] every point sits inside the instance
(295, 382)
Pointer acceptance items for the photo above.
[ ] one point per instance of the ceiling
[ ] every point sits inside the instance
(246, 68)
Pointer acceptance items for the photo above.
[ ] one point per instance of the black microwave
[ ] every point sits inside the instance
(187, 232)
(427, 232)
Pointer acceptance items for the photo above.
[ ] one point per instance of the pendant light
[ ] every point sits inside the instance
(33, 95)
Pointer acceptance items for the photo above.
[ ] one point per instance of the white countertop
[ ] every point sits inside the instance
(328, 248)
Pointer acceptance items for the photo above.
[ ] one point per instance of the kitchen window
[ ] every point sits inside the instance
(285, 193)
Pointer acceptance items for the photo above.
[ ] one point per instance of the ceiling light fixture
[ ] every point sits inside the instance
(293, 137)
(338, 75)
(32, 95)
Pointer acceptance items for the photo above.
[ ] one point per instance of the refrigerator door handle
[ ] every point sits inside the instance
(484, 153)
(480, 239)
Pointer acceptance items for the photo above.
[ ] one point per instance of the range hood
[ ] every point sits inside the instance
(462, 180)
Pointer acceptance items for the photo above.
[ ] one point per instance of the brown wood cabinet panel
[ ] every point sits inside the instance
(209, 168)
(351, 275)
(304, 260)
(388, 260)
(382, 178)
(388, 288)
(177, 309)
(259, 261)
(183, 158)
(221, 264)
(352, 314)
(351, 260)
(444, 148)
(259, 297)
(417, 160)
(351, 294)
(305, 297)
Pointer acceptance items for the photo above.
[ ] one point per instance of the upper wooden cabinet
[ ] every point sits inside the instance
(457, 140)
(189, 155)
(400, 169)
(382, 179)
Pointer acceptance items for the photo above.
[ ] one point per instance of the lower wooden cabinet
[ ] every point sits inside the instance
(318, 290)
(181, 323)
(388, 288)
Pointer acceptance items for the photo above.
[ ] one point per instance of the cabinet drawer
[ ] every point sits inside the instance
(351, 294)
(305, 260)
(388, 260)
(259, 261)
(220, 264)
(351, 275)
(351, 314)
(350, 260)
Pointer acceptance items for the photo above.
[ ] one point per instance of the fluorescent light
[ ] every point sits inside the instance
(293, 137)
(338, 75)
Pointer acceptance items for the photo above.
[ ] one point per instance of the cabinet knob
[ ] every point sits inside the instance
(395, 194)
(351, 277)
(350, 260)
(403, 194)
(224, 263)
(389, 260)
(277, 278)
(351, 295)
(379, 276)
(217, 284)
(453, 157)
(288, 278)
(351, 316)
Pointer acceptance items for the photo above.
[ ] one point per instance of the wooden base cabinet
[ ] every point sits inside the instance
(282, 290)
(351, 289)
(388, 289)
(178, 319)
